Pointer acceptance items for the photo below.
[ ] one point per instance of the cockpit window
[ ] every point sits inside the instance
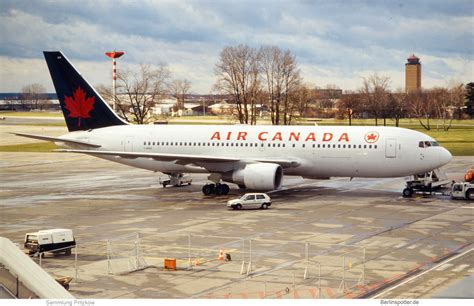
(425, 144)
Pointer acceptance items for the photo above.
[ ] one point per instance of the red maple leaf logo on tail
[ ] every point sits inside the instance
(78, 106)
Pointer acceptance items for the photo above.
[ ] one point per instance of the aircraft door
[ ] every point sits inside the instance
(391, 148)
(128, 144)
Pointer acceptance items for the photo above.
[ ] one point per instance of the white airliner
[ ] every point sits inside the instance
(254, 157)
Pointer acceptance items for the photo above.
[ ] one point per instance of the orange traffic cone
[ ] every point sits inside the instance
(221, 255)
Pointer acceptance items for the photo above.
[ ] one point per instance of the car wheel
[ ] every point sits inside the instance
(264, 205)
(238, 206)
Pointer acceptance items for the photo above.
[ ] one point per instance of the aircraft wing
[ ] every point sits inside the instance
(57, 139)
(185, 159)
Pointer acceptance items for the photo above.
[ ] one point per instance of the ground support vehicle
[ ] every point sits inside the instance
(463, 190)
(176, 179)
(53, 240)
(426, 183)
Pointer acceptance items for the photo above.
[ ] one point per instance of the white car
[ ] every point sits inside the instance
(251, 200)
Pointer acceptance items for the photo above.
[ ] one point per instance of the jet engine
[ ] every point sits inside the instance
(262, 176)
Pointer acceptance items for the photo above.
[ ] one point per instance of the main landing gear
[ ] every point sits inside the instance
(217, 189)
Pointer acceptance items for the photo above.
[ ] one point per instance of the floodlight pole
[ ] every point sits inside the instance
(113, 55)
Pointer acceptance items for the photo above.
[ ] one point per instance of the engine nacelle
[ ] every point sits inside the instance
(262, 176)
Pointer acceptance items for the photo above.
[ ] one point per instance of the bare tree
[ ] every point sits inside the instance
(375, 96)
(291, 82)
(399, 104)
(303, 96)
(139, 91)
(271, 69)
(282, 78)
(107, 94)
(421, 106)
(238, 72)
(179, 88)
(349, 104)
(33, 96)
(457, 95)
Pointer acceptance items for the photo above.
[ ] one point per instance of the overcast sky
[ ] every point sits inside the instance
(335, 42)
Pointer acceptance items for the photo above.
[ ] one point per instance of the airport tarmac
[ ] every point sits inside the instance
(337, 220)
(329, 239)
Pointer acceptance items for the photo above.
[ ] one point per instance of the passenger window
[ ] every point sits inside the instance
(250, 197)
(259, 197)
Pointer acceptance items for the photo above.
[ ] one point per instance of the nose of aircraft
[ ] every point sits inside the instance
(444, 156)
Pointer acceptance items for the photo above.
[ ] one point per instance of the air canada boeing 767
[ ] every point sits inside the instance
(253, 157)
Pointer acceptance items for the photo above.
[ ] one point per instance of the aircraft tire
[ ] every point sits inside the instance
(208, 189)
(220, 190)
(407, 192)
(226, 188)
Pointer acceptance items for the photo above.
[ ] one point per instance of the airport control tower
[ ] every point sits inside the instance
(412, 74)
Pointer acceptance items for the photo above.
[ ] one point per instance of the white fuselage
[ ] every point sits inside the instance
(321, 151)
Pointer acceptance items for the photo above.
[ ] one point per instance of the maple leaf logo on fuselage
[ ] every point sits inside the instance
(371, 137)
(78, 106)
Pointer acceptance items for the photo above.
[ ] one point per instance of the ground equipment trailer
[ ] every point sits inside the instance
(427, 183)
(54, 240)
(176, 179)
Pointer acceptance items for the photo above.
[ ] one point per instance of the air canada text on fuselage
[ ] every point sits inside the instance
(280, 136)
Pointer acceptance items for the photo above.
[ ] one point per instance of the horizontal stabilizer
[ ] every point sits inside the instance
(57, 139)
